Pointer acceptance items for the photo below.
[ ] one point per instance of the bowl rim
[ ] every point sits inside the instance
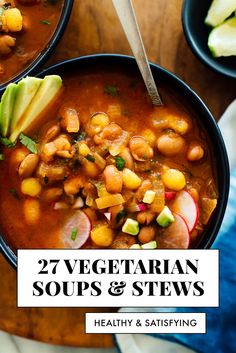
(195, 49)
(7, 251)
(41, 58)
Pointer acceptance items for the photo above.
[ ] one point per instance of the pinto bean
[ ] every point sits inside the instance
(123, 241)
(6, 44)
(111, 132)
(113, 179)
(195, 153)
(140, 149)
(51, 133)
(146, 234)
(170, 144)
(126, 155)
(28, 165)
(17, 156)
(146, 217)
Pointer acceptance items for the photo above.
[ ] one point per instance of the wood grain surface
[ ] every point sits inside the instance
(94, 28)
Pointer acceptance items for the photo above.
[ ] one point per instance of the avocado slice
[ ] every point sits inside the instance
(47, 92)
(27, 88)
(219, 11)
(6, 108)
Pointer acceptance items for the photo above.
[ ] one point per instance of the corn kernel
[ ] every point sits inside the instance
(101, 235)
(31, 210)
(178, 124)
(12, 20)
(100, 119)
(130, 179)
(174, 179)
(84, 150)
(31, 187)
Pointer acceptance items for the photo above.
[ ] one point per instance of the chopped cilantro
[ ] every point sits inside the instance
(90, 158)
(29, 143)
(120, 215)
(14, 193)
(6, 142)
(120, 163)
(6, 6)
(74, 233)
(80, 136)
(45, 179)
(112, 90)
(45, 22)
(1, 157)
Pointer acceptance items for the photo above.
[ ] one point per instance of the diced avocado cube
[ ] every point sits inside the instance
(150, 245)
(26, 90)
(6, 108)
(149, 196)
(45, 96)
(131, 227)
(165, 218)
(135, 246)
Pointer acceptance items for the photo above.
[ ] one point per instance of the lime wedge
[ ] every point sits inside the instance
(222, 39)
(219, 11)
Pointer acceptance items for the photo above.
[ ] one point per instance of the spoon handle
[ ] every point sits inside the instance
(126, 14)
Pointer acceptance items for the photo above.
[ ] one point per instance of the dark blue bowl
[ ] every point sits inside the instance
(193, 15)
(45, 54)
(186, 95)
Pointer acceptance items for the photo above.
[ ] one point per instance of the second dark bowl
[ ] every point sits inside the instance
(34, 66)
(187, 96)
(193, 16)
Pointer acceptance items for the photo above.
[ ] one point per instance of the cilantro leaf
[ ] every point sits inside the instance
(29, 143)
(6, 142)
(45, 22)
(1, 157)
(120, 215)
(14, 193)
(80, 136)
(112, 90)
(90, 158)
(120, 163)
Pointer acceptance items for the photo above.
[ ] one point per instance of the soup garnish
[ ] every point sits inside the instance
(102, 168)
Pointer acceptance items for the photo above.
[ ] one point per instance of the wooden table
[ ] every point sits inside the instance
(94, 28)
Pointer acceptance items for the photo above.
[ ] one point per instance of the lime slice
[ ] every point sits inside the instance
(222, 39)
(219, 11)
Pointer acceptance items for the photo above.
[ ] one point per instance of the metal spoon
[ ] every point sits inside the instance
(126, 14)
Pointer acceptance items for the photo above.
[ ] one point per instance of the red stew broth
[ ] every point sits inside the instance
(85, 93)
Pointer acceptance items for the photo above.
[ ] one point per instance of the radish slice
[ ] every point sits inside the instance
(185, 205)
(136, 208)
(76, 230)
(107, 215)
(176, 236)
(170, 195)
(79, 203)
